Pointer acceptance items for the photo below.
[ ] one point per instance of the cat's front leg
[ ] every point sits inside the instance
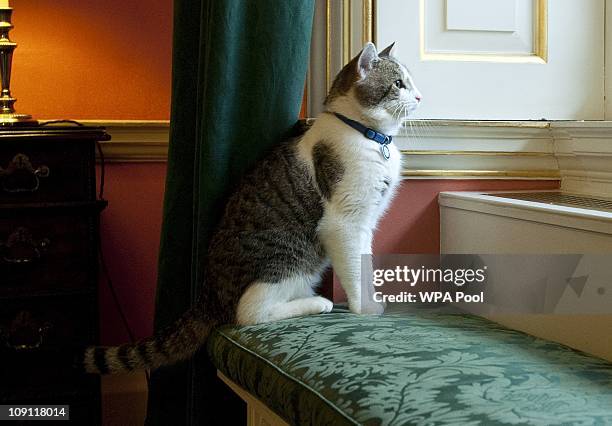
(369, 306)
(345, 241)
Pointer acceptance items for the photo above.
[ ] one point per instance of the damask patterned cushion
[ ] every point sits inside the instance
(422, 368)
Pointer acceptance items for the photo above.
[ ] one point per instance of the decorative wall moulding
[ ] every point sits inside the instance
(450, 149)
(509, 31)
(578, 153)
(135, 140)
(584, 153)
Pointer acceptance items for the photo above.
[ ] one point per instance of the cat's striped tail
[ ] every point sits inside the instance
(176, 343)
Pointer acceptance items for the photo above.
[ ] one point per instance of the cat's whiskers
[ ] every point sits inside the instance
(414, 125)
(396, 112)
(412, 132)
(406, 115)
(399, 112)
(426, 126)
(394, 115)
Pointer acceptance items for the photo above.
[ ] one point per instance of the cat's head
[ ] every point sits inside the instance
(375, 86)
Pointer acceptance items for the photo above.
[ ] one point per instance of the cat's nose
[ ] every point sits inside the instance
(418, 98)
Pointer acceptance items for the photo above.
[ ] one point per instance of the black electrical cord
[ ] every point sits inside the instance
(102, 170)
(103, 266)
(111, 287)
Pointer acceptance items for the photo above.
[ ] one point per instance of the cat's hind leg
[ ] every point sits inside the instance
(265, 302)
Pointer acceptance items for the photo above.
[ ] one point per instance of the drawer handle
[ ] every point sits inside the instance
(21, 247)
(25, 333)
(21, 176)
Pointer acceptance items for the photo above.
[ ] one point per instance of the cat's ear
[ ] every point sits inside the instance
(390, 51)
(367, 57)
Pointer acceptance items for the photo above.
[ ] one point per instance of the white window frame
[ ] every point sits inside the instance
(570, 151)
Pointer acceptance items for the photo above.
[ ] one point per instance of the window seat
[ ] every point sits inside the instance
(418, 368)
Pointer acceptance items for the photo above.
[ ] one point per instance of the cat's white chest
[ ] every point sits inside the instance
(395, 165)
(374, 165)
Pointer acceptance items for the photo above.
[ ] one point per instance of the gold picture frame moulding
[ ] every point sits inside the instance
(368, 31)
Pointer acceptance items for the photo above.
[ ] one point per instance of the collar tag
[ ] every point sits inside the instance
(384, 150)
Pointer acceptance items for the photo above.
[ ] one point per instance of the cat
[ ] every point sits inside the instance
(314, 201)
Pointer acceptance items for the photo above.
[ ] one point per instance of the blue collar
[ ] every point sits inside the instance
(380, 138)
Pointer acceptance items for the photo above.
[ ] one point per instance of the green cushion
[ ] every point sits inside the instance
(422, 368)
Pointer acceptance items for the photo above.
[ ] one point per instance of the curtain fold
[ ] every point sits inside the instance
(239, 68)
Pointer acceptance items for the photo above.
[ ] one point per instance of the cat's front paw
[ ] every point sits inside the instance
(323, 305)
(373, 308)
(368, 308)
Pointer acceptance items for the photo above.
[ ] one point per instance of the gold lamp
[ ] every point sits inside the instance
(8, 116)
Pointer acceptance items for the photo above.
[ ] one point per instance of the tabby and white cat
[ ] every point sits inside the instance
(315, 199)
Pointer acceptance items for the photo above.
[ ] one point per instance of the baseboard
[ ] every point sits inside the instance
(124, 400)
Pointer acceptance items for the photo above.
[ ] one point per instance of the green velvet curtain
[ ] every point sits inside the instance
(239, 68)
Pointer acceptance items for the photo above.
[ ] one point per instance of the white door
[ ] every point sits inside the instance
(501, 59)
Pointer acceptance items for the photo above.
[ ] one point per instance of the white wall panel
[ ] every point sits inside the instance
(502, 59)
(497, 15)
(468, 27)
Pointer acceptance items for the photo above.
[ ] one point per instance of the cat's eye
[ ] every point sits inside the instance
(399, 84)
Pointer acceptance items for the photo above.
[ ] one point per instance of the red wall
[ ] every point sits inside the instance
(412, 225)
(131, 228)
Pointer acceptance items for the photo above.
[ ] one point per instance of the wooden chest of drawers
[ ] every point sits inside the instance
(49, 232)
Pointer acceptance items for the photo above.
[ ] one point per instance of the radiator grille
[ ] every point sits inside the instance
(561, 199)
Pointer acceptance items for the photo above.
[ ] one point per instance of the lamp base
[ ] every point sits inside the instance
(13, 119)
